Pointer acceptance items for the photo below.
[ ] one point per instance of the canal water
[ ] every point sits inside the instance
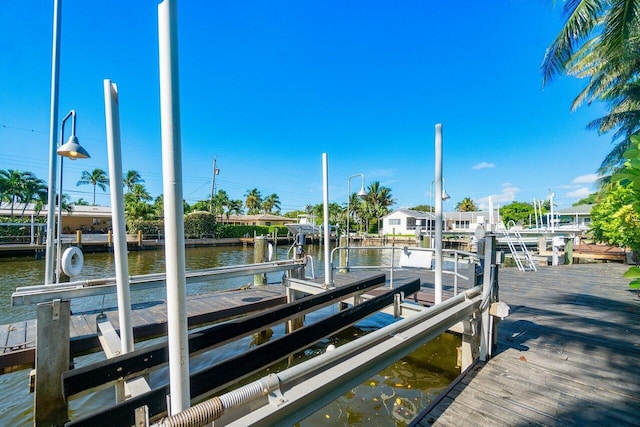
(390, 398)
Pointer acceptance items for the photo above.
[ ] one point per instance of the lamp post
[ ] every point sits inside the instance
(73, 150)
(362, 194)
(53, 134)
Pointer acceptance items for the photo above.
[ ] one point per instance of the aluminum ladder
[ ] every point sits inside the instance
(514, 239)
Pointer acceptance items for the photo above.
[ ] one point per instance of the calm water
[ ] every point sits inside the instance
(391, 398)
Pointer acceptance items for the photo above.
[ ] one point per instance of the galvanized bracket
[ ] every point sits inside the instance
(276, 398)
(142, 416)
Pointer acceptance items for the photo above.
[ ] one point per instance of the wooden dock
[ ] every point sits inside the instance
(17, 340)
(567, 355)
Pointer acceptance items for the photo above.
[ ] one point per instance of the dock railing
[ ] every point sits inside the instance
(452, 256)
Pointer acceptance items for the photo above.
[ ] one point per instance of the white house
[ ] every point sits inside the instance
(578, 217)
(406, 221)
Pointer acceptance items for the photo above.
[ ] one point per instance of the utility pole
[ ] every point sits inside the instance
(214, 172)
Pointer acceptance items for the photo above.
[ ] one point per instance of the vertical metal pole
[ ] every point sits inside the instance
(348, 219)
(59, 233)
(328, 278)
(438, 203)
(112, 117)
(53, 135)
(173, 207)
(487, 283)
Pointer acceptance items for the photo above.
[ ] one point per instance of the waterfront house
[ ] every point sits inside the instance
(85, 218)
(575, 217)
(406, 221)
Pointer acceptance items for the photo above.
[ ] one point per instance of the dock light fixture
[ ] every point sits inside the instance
(73, 150)
(361, 194)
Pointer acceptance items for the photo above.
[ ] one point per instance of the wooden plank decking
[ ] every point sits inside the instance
(568, 354)
(17, 340)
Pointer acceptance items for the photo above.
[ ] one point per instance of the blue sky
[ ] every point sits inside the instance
(267, 87)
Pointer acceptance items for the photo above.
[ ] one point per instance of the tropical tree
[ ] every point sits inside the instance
(466, 205)
(253, 201)
(600, 41)
(591, 199)
(130, 178)
(136, 204)
(377, 202)
(423, 208)
(615, 219)
(81, 202)
(20, 187)
(34, 190)
(97, 178)
(234, 207)
(271, 204)
(518, 212)
(219, 202)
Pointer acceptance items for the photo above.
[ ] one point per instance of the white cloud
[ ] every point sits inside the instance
(483, 165)
(586, 179)
(579, 193)
(507, 196)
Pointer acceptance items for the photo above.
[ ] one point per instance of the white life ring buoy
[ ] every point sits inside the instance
(72, 261)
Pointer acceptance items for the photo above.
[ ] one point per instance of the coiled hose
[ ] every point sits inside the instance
(211, 409)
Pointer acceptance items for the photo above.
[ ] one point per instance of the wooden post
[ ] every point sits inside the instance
(52, 358)
(79, 238)
(470, 343)
(140, 239)
(568, 252)
(297, 322)
(259, 256)
(343, 255)
(110, 239)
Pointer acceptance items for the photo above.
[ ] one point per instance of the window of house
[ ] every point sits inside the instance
(462, 225)
(394, 221)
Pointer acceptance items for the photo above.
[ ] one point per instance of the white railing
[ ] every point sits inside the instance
(451, 254)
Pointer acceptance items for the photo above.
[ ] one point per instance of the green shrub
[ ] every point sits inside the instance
(198, 225)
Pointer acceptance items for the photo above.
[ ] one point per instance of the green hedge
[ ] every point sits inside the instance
(202, 224)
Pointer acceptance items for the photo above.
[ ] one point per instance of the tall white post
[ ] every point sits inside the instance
(328, 279)
(553, 225)
(438, 203)
(53, 136)
(173, 208)
(112, 117)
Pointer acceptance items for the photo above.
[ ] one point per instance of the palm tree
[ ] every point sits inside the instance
(219, 202)
(466, 205)
(377, 201)
(33, 190)
(130, 178)
(253, 201)
(17, 186)
(234, 207)
(271, 204)
(81, 202)
(600, 41)
(97, 178)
